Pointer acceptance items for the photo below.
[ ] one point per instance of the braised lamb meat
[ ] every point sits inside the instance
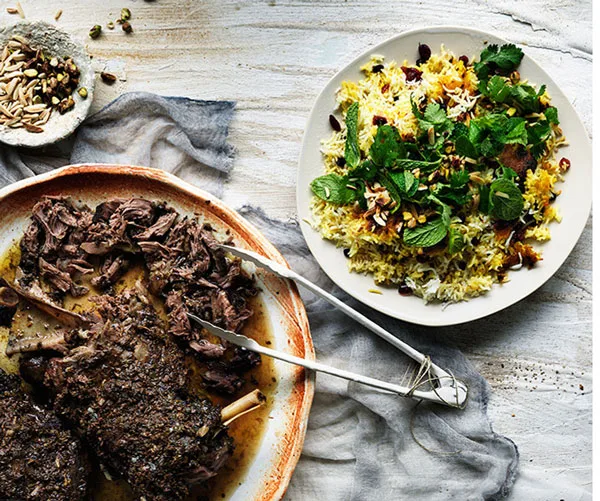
(186, 268)
(123, 384)
(39, 458)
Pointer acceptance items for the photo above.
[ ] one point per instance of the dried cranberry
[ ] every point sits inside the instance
(405, 290)
(377, 68)
(335, 125)
(464, 59)
(412, 74)
(377, 120)
(385, 88)
(424, 52)
(564, 164)
(340, 162)
(347, 252)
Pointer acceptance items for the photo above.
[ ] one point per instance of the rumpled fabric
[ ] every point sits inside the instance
(360, 444)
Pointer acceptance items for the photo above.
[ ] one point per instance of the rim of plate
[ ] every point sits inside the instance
(413, 309)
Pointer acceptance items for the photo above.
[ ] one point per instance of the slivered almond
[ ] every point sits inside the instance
(10, 76)
(35, 108)
(22, 98)
(11, 86)
(32, 128)
(5, 112)
(45, 115)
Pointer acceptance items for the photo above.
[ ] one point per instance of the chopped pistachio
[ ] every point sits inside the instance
(83, 92)
(125, 14)
(111, 25)
(95, 31)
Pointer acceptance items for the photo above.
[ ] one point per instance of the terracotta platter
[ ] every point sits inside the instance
(269, 470)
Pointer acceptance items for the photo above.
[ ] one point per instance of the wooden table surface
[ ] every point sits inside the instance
(273, 57)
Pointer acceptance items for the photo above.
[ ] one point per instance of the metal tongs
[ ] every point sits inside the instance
(430, 382)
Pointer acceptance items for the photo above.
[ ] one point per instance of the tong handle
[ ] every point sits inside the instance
(448, 383)
(252, 345)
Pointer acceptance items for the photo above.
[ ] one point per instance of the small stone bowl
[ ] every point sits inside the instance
(53, 42)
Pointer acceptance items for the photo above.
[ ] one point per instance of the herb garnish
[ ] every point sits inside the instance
(333, 188)
(428, 235)
(494, 59)
(352, 151)
(420, 173)
(505, 199)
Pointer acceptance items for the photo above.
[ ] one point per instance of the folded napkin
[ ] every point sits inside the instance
(360, 444)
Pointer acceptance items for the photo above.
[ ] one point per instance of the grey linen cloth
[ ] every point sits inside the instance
(360, 444)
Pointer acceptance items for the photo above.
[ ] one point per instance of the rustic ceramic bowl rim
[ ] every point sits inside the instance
(302, 395)
(58, 126)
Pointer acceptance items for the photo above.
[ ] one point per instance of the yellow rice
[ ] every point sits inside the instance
(383, 255)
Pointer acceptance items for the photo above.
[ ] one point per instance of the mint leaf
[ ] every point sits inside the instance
(427, 235)
(508, 173)
(352, 151)
(387, 146)
(460, 129)
(405, 181)
(484, 198)
(460, 178)
(506, 200)
(551, 114)
(445, 213)
(514, 132)
(491, 132)
(465, 148)
(385, 180)
(333, 188)
(425, 167)
(526, 98)
(537, 135)
(455, 196)
(366, 170)
(455, 241)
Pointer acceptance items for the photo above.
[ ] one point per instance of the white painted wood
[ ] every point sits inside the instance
(273, 57)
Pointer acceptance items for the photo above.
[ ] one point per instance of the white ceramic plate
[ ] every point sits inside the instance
(574, 203)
